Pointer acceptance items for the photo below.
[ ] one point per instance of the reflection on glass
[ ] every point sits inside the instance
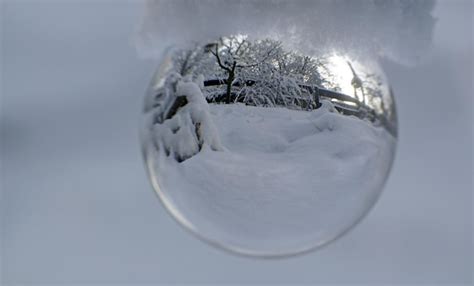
(263, 150)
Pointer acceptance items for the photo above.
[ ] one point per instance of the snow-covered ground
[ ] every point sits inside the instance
(283, 182)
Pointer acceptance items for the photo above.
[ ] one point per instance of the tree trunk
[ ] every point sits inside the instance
(230, 81)
(179, 102)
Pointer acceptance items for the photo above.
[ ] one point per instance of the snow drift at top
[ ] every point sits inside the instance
(400, 30)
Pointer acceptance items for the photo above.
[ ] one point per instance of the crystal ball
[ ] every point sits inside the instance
(263, 150)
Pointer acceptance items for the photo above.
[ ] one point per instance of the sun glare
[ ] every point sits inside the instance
(339, 67)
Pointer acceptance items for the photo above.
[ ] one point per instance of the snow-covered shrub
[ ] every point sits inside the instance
(190, 128)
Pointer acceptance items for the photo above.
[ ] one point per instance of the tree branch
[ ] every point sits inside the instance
(216, 54)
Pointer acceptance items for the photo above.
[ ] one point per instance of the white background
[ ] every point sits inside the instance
(78, 208)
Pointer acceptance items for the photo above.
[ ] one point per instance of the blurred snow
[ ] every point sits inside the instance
(78, 207)
(397, 29)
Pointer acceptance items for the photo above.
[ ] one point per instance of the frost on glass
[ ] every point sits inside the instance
(266, 151)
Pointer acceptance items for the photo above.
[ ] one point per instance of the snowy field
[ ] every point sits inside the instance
(282, 181)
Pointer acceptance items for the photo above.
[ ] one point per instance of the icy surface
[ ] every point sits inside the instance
(397, 29)
(285, 181)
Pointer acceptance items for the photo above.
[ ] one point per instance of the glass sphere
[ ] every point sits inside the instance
(264, 150)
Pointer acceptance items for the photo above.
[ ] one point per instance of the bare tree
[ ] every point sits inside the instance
(230, 69)
(238, 57)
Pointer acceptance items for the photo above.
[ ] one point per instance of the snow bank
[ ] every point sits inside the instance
(398, 29)
(287, 181)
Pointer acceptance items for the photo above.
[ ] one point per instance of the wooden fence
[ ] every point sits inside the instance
(345, 104)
